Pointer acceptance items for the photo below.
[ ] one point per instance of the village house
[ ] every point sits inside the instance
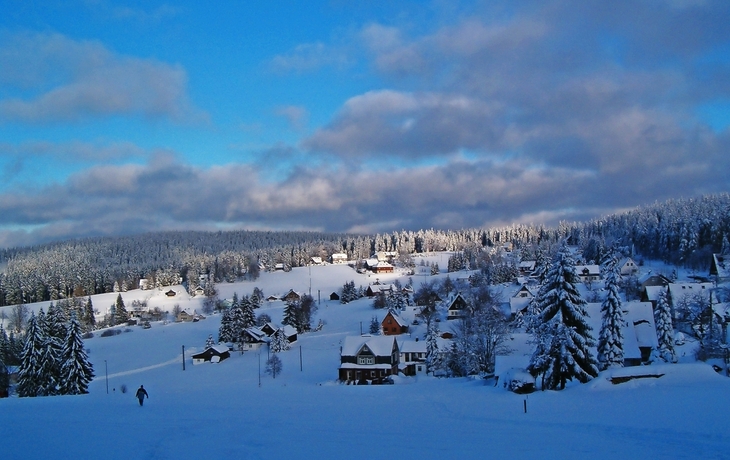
(339, 258)
(292, 296)
(392, 324)
(526, 267)
(375, 289)
(627, 267)
(720, 268)
(412, 357)
(458, 308)
(214, 354)
(367, 359)
(588, 273)
(520, 300)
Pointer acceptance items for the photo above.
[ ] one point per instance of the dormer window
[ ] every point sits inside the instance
(365, 360)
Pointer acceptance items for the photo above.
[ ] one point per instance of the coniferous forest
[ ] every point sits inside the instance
(682, 232)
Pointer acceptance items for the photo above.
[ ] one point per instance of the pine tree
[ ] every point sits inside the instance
(48, 368)
(563, 337)
(664, 328)
(249, 317)
(76, 370)
(291, 315)
(120, 311)
(237, 324)
(209, 341)
(30, 360)
(611, 337)
(88, 319)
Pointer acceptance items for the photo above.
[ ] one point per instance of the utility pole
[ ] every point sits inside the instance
(106, 376)
(183, 353)
(300, 359)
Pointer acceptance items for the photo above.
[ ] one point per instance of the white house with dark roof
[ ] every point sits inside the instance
(412, 357)
(588, 273)
(627, 267)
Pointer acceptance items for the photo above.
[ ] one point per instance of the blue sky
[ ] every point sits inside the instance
(127, 117)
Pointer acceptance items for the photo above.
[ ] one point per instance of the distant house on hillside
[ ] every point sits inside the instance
(520, 300)
(214, 354)
(171, 293)
(526, 267)
(339, 258)
(292, 296)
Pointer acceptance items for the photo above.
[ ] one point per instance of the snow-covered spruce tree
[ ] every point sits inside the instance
(563, 338)
(76, 370)
(611, 337)
(49, 367)
(374, 325)
(257, 296)
(664, 328)
(237, 324)
(433, 354)
(225, 331)
(31, 359)
(209, 342)
(279, 342)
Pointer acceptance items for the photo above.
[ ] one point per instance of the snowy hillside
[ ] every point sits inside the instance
(212, 411)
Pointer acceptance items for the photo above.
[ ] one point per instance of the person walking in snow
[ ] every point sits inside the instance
(141, 393)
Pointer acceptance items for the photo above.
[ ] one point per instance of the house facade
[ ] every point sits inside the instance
(367, 359)
(214, 354)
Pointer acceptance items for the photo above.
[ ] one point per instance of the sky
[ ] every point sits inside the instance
(128, 117)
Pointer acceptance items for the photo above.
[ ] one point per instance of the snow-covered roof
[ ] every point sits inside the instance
(380, 345)
(411, 346)
(518, 303)
(289, 330)
(527, 265)
(399, 321)
(721, 265)
(631, 343)
(220, 348)
(680, 290)
(590, 270)
(257, 334)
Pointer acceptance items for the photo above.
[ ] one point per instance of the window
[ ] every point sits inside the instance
(364, 360)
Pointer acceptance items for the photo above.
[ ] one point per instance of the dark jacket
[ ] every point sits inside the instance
(141, 393)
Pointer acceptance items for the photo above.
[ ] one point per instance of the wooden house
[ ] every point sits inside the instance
(375, 289)
(292, 296)
(392, 324)
(334, 296)
(367, 359)
(526, 267)
(214, 354)
(171, 293)
(254, 338)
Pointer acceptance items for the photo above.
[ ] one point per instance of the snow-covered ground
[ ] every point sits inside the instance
(215, 411)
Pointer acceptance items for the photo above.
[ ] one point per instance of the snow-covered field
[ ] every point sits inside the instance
(213, 411)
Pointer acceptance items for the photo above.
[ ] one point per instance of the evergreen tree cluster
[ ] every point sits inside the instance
(300, 313)
(236, 319)
(53, 360)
